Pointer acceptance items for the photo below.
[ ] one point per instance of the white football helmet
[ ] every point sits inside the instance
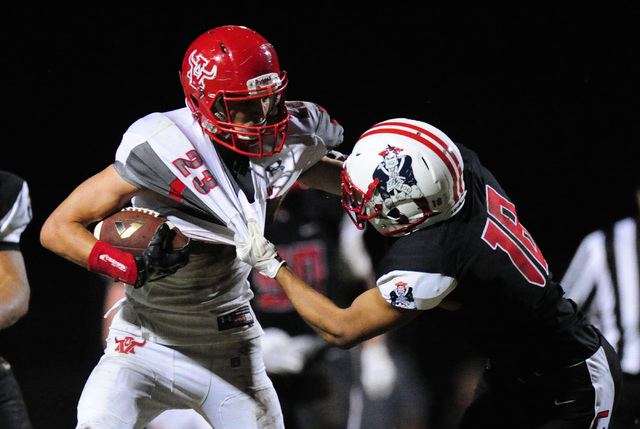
(403, 175)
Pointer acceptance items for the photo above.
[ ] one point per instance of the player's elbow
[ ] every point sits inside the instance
(339, 342)
(48, 234)
(347, 328)
(347, 344)
(343, 338)
(51, 233)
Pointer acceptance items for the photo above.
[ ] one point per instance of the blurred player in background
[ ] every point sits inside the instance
(458, 244)
(449, 377)
(185, 335)
(15, 215)
(604, 279)
(319, 386)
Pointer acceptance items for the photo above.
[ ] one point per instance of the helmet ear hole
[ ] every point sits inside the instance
(194, 101)
(397, 216)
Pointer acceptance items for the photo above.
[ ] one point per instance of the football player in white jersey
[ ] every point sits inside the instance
(184, 336)
(455, 241)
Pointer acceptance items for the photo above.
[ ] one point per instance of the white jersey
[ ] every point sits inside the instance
(603, 278)
(15, 210)
(169, 154)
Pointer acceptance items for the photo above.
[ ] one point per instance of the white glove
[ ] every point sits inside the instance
(260, 253)
(280, 357)
(378, 372)
(284, 354)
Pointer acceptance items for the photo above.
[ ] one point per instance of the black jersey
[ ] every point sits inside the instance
(511, 308)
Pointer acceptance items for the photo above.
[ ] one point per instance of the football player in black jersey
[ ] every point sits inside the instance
(455, 241)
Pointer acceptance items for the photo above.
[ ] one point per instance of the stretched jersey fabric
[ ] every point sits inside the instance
(603, 278)
(15, 210)
(169, 154)
(484, 260)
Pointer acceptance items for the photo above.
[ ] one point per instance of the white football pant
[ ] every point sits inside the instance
(136, 380)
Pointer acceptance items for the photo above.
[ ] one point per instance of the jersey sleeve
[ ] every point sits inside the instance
(414, 289)
(133, 152)
(17, 214)
(329, 130)
(311, 136)
(311, 119)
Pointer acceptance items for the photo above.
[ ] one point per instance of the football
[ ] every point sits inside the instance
(132, 228)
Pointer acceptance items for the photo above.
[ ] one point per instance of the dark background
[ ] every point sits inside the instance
(549, 99)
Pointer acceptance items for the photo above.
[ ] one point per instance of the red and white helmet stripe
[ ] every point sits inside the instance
(441, 145)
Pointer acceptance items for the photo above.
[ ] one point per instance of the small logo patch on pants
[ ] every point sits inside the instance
(240, 317)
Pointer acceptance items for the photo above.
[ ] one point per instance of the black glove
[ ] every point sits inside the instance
(158, 260)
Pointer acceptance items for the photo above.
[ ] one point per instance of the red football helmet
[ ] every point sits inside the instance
(234, 87)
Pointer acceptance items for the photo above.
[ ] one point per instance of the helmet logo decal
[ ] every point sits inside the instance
(200, 69)
(390, 149)
(397, 183)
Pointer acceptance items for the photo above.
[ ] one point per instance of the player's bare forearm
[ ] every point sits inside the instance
(368, 316)
(324, 175)
(65, 230)
(317, 310)
(71, 240)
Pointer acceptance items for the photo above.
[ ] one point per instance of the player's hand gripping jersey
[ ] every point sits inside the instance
(169, 154)
(486, 263)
